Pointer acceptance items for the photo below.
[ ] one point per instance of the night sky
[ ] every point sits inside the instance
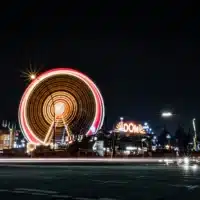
(144, 58)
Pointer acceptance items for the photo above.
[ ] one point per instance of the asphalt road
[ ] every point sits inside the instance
(151, 182)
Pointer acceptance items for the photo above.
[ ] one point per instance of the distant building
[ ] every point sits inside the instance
(4, 138)
(10, 137)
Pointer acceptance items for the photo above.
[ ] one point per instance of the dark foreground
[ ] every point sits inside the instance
(80, 182)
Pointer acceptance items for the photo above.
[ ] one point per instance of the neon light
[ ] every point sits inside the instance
(99, 114)
(130, 128)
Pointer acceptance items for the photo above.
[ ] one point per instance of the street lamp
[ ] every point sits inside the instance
(195, 134)
(166, 114)
(33, 77)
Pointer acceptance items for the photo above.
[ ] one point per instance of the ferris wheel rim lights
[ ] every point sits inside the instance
(99, 103)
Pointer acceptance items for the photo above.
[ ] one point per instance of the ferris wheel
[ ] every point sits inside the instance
(60, 102)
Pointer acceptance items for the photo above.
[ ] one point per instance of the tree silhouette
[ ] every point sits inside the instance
(182, 138)
(163, 137)
(190, 135)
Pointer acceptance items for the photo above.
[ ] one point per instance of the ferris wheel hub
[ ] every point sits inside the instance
(59, 108)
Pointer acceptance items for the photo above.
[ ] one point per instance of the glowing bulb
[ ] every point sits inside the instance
(59, 108)
(186, 167)
(166, 114)
(93, 129)
(194, 167)
(32, 76)
(186, 161)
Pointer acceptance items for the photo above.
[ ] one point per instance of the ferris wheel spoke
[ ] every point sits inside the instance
(49, 134)
(67, 129)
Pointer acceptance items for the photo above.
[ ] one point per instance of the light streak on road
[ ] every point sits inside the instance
(80, 160)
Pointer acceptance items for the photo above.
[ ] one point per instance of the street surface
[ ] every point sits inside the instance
(84, 182)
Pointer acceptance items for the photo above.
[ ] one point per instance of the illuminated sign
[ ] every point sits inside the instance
(130, 128)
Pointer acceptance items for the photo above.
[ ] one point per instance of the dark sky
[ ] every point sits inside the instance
(143, 57)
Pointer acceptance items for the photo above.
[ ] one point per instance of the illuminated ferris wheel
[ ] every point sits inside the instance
(60, 102)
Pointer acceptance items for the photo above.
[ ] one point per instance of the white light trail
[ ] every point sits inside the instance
(80, 160)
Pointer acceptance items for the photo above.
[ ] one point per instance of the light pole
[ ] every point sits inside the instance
(167, 115)
(143, 139)
(195, 134)
(33, 77)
